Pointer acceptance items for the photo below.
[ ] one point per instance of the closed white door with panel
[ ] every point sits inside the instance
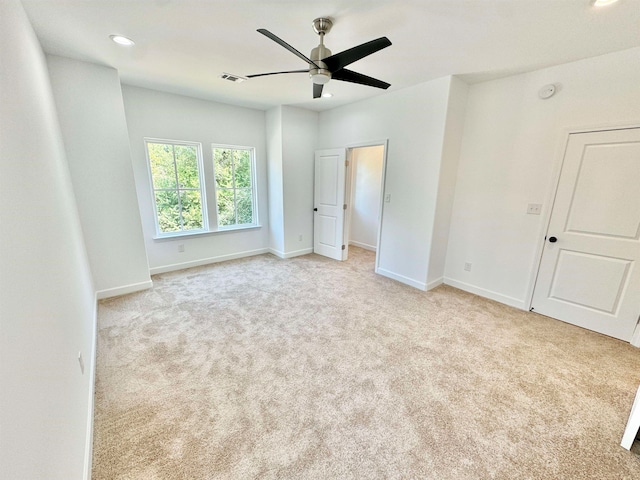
(328, 223)
(589, 274)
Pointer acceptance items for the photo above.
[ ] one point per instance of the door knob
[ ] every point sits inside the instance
(553, 239)
(315, 209)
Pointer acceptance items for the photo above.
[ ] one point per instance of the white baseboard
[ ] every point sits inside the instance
(88, 448)
(277, 253)
(114, 292)
(206, 261)
(295, 253)
(366, 246)
(498, 297)
(433, 284)
(402, 279)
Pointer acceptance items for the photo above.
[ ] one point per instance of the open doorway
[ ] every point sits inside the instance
(364, 195)
(348, 195)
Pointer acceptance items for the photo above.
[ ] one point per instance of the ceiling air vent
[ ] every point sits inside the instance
(232, 78)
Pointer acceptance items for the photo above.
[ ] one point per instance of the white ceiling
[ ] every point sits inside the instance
(183, 46)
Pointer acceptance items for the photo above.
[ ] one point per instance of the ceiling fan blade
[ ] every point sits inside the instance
(317, 90)
(281, 42)
(277, 73)
(342, 59)
(355, 77)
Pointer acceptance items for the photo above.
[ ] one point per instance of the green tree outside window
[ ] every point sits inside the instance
(234, 186)
(176, 186)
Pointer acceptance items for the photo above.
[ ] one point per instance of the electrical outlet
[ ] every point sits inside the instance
(534, 209)
(181, 248)
(467, 267)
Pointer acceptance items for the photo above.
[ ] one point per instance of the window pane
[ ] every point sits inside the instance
(234, 189)
(187, 165)
(191, 209)
(226, 210)
(162, 168)
(245, 206)
(243, 169)
(168, 211)
(223, 161)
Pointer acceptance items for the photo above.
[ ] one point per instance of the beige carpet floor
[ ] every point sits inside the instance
(314, 369)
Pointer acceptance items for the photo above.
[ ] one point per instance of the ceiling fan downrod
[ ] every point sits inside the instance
(322, 75)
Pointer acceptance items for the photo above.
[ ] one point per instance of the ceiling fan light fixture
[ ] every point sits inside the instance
(320, 78)
(327, 95)
(121, 40)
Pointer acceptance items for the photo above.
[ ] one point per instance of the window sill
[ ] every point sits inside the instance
(205, 232)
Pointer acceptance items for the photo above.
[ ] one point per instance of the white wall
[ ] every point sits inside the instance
(366, 173)
(413, 120)
(162, 115)
(299, 139)
(447, 184)
(47, 302)
(89, 105)
(275, 180)
(511, 153)
(291, 140)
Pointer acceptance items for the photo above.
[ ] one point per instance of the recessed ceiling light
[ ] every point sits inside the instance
(327, 94)
(603, 3)
(120, 40)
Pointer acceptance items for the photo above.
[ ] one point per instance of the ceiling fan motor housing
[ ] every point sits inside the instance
(320, 75)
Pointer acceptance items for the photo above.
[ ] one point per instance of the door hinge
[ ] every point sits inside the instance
(344, 207)
(343, 247)
(346, 163)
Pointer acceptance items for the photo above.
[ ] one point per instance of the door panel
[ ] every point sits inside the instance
(329, 188)
(590, 275)
(327, 229)
(327, 181)
(609, 175)
(599, 286)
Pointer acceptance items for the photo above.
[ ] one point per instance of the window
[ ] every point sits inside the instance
(235, 185)
(182, 186)
(176, 182)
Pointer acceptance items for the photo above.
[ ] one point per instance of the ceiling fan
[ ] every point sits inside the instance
(323, 66)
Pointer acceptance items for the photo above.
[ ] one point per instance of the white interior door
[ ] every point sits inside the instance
(589, 274)
(328, 218)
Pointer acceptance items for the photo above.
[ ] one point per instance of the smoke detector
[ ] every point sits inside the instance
(547, 91)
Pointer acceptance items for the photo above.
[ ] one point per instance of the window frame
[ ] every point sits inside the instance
(254, 192)
(202, 189)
